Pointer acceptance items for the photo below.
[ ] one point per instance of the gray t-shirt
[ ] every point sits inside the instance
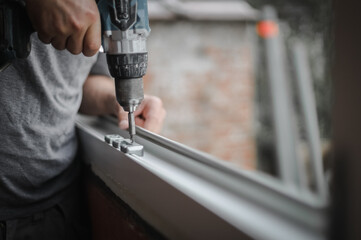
(40, 97)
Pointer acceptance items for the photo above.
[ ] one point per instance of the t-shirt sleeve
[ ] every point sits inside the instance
(100, 67)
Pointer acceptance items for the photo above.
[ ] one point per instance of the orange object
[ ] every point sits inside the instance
(267, 29)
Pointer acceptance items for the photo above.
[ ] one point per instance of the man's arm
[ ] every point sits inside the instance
(99, 99)
(98, 96)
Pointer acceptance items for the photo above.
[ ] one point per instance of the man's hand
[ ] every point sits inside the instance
(150, 115)
(67, 24)
(99, 99)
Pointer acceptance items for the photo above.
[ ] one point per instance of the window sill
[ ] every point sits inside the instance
(186, 194)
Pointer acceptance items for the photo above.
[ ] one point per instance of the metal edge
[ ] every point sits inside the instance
(303, 216)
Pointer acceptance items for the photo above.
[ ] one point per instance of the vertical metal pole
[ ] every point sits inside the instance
(282, 114)
(308, 106)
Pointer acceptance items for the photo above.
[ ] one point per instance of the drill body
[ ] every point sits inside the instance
(125, 28)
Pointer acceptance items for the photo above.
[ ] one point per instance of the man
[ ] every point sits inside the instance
(40, 97)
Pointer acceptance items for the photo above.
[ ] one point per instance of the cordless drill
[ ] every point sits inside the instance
(125, 28)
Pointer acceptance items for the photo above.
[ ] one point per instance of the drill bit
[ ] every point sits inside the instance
(131, 126)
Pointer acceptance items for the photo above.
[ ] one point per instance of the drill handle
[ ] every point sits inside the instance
(15, 31)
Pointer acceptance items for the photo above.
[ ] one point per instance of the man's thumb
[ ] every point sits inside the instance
(123, 119)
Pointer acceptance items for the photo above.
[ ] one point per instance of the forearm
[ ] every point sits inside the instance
(98, 96)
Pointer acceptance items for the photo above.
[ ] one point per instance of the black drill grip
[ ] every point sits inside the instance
(15, 31)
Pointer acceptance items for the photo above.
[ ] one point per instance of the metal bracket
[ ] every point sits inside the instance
(123, 14)
(124, 145)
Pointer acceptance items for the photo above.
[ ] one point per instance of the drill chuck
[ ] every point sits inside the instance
(129, 93)
(128, 65)
(128, 70)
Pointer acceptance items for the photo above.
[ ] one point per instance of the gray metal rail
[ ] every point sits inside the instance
(185, 194)
(308, 106)
(281, 104)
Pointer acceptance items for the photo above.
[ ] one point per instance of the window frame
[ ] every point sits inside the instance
(186, 194)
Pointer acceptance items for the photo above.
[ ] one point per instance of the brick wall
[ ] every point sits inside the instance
(203, 71)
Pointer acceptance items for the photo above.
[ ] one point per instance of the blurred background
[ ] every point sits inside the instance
(208, 63)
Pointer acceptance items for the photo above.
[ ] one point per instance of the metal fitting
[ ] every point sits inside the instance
(124, 145)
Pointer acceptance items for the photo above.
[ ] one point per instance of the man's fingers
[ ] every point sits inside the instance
(45, 38)
(59, 42)
(154, 122)
(139, 122)
(75, 43)
(71, 24)
(123, 119)
(150, 114)
(92, 39)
